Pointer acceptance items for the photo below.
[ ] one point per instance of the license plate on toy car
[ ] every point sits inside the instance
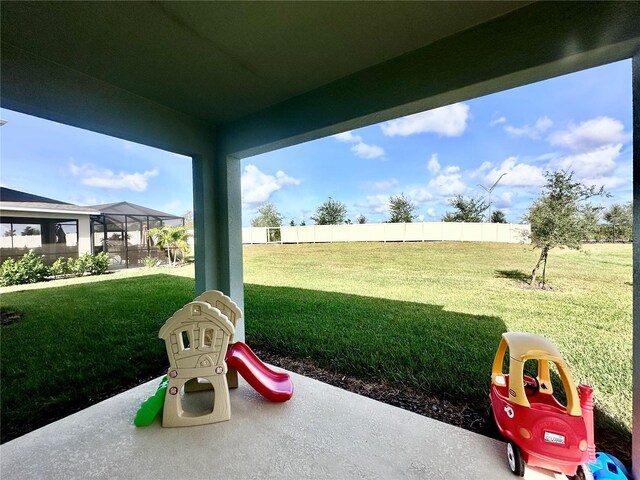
(554, 438)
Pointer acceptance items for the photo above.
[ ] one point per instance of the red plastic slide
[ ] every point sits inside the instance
(274, 386)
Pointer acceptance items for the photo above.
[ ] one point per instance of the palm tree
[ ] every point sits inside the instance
(171, 238)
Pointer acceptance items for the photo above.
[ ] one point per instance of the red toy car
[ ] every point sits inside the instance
(540, 430)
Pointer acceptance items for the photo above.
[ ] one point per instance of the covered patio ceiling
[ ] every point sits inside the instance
(222, 61)
(220, 81)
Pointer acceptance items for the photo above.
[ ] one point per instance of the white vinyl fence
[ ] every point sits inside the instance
(390, 232)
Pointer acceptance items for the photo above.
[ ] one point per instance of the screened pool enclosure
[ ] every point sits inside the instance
(122, 229)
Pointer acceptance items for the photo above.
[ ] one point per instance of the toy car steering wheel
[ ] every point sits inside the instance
(531, 383)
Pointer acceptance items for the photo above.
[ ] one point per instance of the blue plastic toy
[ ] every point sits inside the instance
(608, 467)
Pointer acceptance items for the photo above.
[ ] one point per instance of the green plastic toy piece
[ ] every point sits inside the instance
(152, 406)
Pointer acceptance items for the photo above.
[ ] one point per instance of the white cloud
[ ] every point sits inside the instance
(608, 182)
(591, 134)
(448, 121)
(599, 162)
(449, 182)
(497, 121)
(432, 212)
(420, 218)
(517, 174)
(503, 200)
(258, 186)
(382, 185)
(419, 195)
(348, 137)
(102, 177)
(375, 203)
(478, 172)
(364, 150)
(541, 125)
(433, 166)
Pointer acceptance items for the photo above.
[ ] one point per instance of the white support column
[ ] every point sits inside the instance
(635, 454)
(84, 235)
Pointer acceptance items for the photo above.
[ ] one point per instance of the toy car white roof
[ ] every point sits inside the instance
(524, 345)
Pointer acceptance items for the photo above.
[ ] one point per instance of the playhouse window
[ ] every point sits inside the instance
(185, 338)
(207, 338)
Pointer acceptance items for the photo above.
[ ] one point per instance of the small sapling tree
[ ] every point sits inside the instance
(561, 217)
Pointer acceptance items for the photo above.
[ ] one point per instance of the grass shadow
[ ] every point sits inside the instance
(413, 344)
(518, 275)
(405, 344)
(612, 436)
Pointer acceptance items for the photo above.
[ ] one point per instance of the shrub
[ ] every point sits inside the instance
(80, 265)
(60, 267)
(150, 262)
(28, 269)
(98, 264)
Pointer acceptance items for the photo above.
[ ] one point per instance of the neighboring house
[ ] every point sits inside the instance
(49, 227)
(58, 229)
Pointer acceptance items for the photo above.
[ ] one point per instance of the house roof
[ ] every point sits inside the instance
(126, 208)
(27, 202)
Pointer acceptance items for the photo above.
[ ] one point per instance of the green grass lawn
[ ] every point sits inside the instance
(82, 340)
(430, 315)
(425, 315)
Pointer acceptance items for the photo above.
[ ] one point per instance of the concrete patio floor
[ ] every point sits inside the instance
(323, 432)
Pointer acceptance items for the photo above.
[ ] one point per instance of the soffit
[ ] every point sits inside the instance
(224, 60)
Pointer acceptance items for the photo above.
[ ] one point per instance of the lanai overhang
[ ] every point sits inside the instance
(221, 81)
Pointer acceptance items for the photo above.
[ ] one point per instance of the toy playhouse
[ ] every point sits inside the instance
(203, 356)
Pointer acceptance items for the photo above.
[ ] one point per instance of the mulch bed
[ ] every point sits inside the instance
(461, 414)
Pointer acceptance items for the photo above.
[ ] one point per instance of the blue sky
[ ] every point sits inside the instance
(580, 122)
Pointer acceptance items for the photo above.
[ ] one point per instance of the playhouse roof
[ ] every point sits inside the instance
(185, 316)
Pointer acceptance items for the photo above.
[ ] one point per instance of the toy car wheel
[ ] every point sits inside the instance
(516, 462)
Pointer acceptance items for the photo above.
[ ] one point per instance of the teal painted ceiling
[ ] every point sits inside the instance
(221, 61)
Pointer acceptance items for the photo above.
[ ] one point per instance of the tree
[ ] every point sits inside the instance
(401, 209)
(9, 233)
(620, 216)
(361, 219)
(268, 216)
(292, 223)
(467, 210)
(30, 231)
(172, 239)
(330, 212)
(303, 223)
(561, 217)
(188, 219)
(498, 217)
